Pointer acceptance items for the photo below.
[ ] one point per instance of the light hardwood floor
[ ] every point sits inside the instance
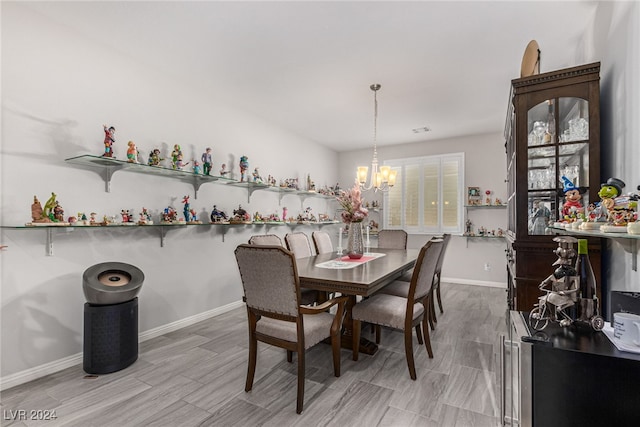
(195, 377)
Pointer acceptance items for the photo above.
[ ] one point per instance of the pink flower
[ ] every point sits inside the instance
(351, 201)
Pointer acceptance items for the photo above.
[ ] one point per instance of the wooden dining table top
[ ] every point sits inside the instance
(364, 279)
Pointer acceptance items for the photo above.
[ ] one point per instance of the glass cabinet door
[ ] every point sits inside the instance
(557, 161)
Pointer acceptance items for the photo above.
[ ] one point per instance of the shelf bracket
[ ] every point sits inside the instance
(162, 234)
(49, 244)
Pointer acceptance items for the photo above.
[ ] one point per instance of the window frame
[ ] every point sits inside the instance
(421, 162)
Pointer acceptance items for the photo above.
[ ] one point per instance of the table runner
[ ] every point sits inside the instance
(345, 262)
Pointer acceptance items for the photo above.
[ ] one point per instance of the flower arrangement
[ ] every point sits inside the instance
(351, 202)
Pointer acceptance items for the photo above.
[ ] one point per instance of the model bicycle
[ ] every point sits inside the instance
(561, 302)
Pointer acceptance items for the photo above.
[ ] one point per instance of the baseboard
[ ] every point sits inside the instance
(474, 282)
(75, 359)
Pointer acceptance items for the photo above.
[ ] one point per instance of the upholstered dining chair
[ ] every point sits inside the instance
(299, 244)
(265, 239)
(275, 314)
(322, 242)
(392, 239)
(398, 288)
(402, 313)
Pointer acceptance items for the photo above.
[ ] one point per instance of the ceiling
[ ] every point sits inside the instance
(307, 66)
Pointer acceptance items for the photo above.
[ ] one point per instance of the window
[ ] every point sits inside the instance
(428, 197)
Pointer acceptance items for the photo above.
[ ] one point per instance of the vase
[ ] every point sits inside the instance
(355, 242)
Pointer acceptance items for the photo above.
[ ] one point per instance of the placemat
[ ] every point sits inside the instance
(345, 262)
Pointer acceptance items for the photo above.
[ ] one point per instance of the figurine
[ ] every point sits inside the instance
(619, 209)
(170, 215)
(256, 177)
(562, 299)
(49, 205)
(92, 218)
(468, 227)
(37, 213)
(109, 140)
(311, 186)
(218, 216)
(244, 166)
(145, 218)
(194, 217)
(572, 206)
(132, 152)
(154, 157)
(174, 156)
(179, 164)
(285, 211)
(187, 208)
(487, 201)
(223, 170)
(127, 219)
(207, 161)
(240, 216)
(196, 168)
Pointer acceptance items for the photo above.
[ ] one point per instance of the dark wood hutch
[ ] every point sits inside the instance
(552, 130)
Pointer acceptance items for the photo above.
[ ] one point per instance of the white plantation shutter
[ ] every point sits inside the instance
(427, 197)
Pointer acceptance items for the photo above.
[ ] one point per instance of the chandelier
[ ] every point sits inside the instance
(382, 177)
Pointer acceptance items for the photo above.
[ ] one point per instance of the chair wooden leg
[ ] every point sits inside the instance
(253, 353)
(335, 347)
(408, 349)
(356, 338)
(438, 294)
(300, 401)
(419, 334)
(289, 356)
(427, 337)
(378, 333)
(430, 314)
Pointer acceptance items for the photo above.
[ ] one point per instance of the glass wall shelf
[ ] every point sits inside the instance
(628, 241)
(106, 167)
(162, 228)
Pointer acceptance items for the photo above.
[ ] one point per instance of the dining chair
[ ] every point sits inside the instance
(265, 239)
(402, 313)
(298, 243)
(401, 286)
(436, 278)
(275, 314)
(392, 239)
(322, 242)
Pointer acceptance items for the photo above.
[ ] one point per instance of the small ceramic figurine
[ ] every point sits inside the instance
(179, 164)
(170, 216)
(177, 152)
(218, 216)
(244, 166)
(256, 177)
(49, 205)
(223, 170)
(285, 212)
(109, 140)
(58, 213)
(37, 213)
(207, 161)
(145, 218)
(487, 200)
(241, 216)
(196, 168)
(132, 152)
(572, 206)
(187, 208)
(154, 157)
(92, 218)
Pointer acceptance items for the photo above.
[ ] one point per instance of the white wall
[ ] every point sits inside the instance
(614, 39)
(485, 167)
(58, 91)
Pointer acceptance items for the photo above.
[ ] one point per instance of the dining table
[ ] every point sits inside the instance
(330, 272)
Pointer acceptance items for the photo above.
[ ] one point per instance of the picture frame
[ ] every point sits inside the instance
(474, 197)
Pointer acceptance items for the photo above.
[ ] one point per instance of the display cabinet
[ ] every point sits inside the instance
(552, 131)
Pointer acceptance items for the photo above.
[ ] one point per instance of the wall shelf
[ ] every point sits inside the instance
(629, 242)
(107, 166)
(162, 229)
